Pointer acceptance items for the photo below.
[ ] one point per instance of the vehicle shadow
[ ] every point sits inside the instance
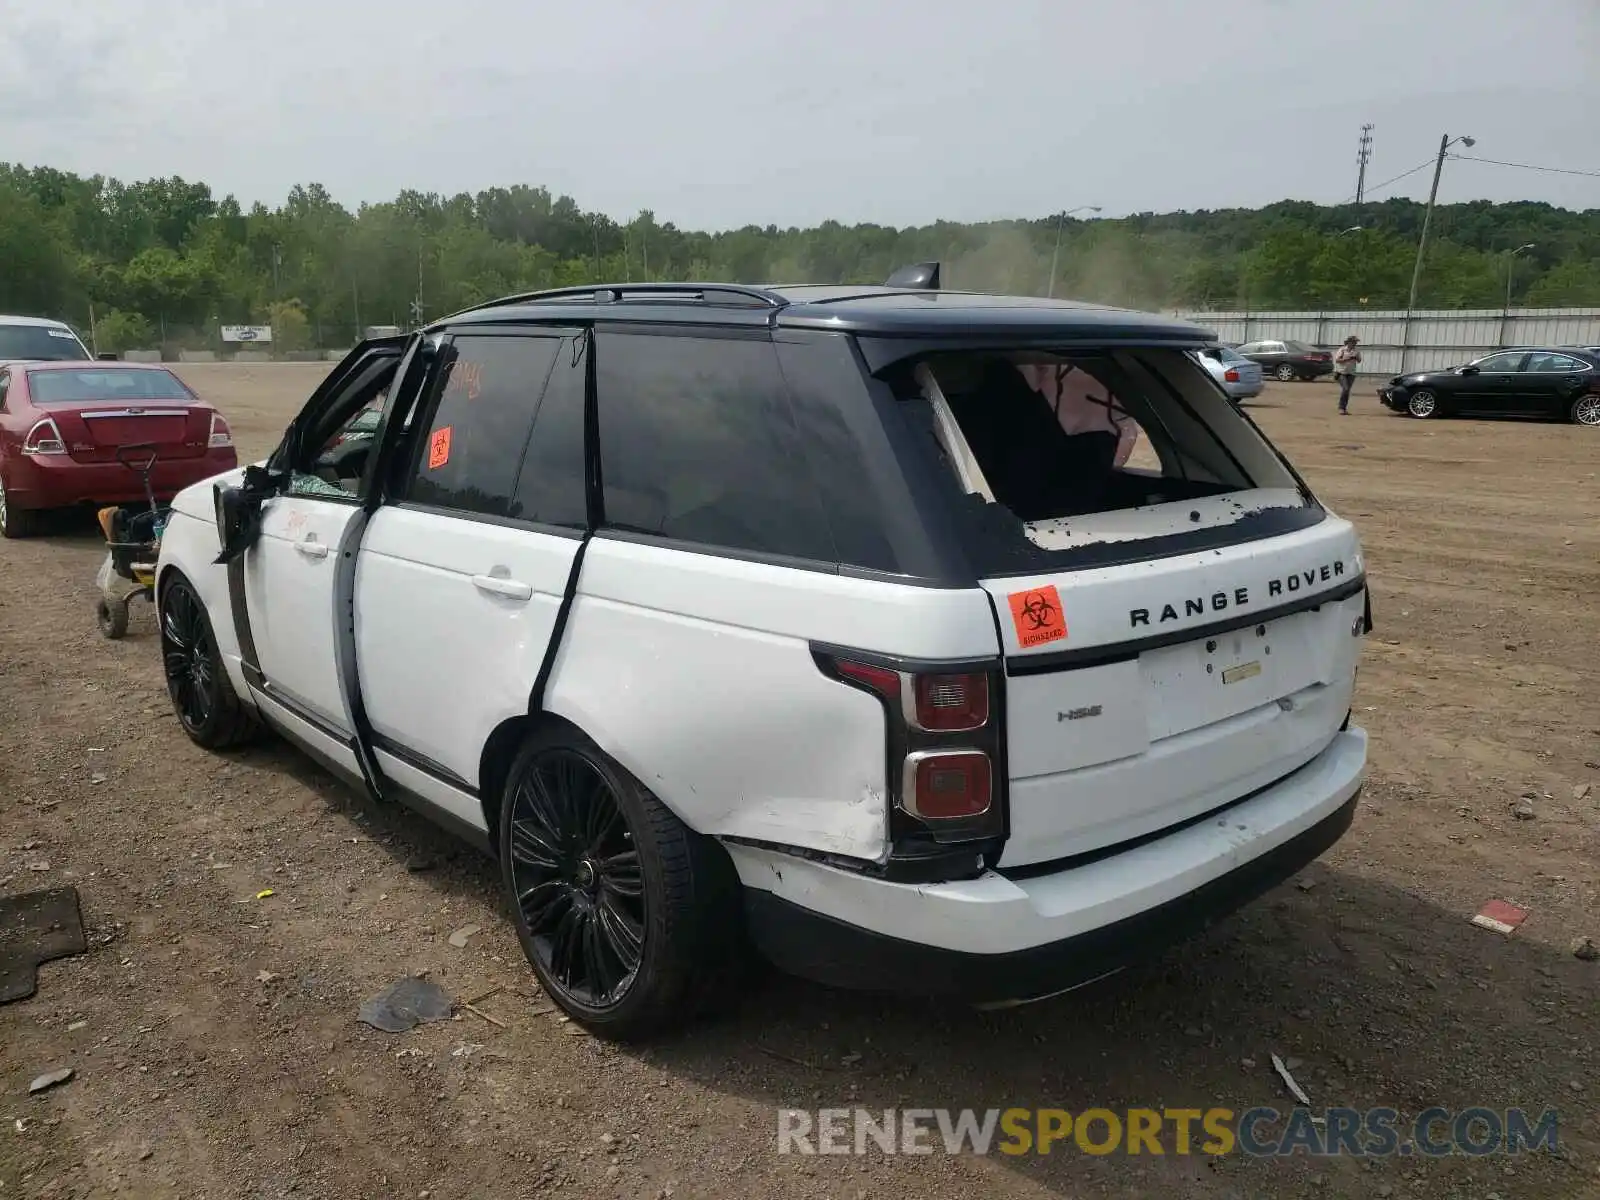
(1372, 995)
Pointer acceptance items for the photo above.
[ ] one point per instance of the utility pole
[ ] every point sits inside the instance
(1427, 217)
(277, 261)
(1363, 156)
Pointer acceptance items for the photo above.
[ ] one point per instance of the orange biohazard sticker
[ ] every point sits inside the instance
(439, 448)
(1038, 616)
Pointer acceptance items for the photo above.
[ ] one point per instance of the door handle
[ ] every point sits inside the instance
(310, 547)
(499, 585)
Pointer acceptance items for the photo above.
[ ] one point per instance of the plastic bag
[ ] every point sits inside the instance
(107, 575)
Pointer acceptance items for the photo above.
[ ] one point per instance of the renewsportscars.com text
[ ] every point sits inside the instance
(1256, 1132)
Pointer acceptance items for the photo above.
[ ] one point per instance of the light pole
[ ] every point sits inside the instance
(1511, 270)
(1055, 256)
(1416, 274)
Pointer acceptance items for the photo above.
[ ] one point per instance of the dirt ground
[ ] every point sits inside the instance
(214, 1039)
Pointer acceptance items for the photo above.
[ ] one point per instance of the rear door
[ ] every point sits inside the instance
(462, 571)
(1551, 380)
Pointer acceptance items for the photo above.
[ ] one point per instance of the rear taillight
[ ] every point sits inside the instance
(949, 703)
(1231, 376)
(946, 785)
(221, 435)
(44, 438)
(946, 772)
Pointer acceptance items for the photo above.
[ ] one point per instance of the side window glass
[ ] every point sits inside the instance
(1500, 364)
(698, 443)
(336, 471)
(550, 488)
(477, 428)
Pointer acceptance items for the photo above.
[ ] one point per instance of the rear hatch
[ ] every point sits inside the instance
(1140, 699)
(93, 432)
(1179, 618)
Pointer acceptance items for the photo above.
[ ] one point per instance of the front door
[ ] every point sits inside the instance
(295, 572)
(1496, 385)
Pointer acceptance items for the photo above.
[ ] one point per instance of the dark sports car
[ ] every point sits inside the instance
(1561, 382)
(1289, 360)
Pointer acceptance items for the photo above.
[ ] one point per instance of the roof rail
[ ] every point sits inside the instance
(612, 293)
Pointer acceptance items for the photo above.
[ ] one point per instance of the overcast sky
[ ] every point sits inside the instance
(719, 113)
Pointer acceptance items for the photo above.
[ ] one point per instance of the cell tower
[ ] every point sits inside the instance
(1363, 156)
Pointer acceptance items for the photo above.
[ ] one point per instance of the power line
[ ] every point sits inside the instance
(1526, 166)
(1378, 187)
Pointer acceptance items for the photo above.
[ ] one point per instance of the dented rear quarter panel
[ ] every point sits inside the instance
(696, 673)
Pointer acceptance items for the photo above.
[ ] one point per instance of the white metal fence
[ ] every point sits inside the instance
(1393, 343)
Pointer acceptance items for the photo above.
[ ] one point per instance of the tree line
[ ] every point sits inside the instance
(165, 259)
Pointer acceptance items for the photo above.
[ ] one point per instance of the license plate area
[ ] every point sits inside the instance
(1212, 678)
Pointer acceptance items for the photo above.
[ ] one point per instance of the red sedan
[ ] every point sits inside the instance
(61, 424)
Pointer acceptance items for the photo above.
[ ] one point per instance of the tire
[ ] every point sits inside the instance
(112, 618)
(1285, 373)
(202, 695)
(16, 522)
(1585, 410)
(1423, 405)
(629, 918)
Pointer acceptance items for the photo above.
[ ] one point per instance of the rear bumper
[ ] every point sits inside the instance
(1245, 389)
(58, 481)
(996, 939)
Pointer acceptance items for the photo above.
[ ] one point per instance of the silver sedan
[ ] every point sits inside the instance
(1236, 375)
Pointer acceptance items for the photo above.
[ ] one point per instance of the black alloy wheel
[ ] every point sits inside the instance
(578, 882)
(202, 695)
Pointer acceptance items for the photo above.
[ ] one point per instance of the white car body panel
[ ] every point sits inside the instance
(993, 914)
(695, 672)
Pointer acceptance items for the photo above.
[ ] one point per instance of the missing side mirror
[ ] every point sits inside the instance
(229, 505)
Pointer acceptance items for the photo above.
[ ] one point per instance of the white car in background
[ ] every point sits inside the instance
(1234, 373)
(39, 339)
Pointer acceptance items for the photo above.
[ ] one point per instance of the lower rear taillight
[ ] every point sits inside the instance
(221, 435)
(1231, 376)
(44, 438)
(945, 760)
(945, 785)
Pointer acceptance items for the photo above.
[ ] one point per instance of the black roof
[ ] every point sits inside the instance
(861, 309)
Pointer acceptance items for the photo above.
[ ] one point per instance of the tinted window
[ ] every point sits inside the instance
(550, 488)
(72, 386)
(698, 443)
(1556, 362)
(483, 407)
(1499, 364)
(40, 343)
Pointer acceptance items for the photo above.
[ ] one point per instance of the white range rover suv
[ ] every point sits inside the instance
(925, 640)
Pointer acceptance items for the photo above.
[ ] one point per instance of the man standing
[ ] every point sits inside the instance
(1344, 369)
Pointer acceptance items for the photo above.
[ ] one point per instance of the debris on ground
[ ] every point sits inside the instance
(48, 1080)
(404, 1004)
(458, 939)
(1522, 809)
(1585, 949)
(1500, 917)
(266, 976)
(1294, 1088)
(1581, 792)
(264, 893)
(36, 927)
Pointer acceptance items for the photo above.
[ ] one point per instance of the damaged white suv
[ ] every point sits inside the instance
(927, 640)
